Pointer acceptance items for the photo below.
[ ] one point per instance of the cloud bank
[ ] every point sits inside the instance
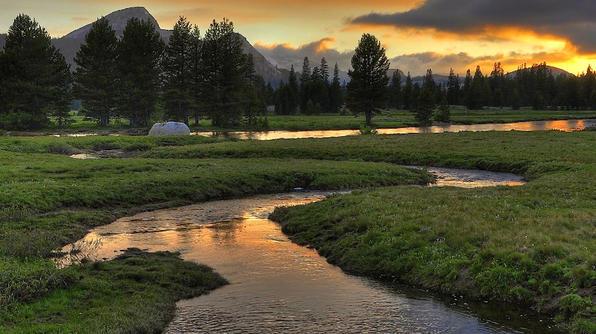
(573, 20)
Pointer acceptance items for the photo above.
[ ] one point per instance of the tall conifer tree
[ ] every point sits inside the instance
(177, 65)
(335, 92)
(368, 86)
(96, 74)
(139, 55)
(34, 78)
(395, 90)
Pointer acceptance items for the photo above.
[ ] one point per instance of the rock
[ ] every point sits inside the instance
(169, 129)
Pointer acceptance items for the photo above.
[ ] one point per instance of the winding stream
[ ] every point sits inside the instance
(277, 286)
(560, 125)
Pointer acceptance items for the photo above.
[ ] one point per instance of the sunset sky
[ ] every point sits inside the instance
(418, 34)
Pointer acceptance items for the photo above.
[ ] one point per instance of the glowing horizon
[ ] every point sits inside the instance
(286, 31)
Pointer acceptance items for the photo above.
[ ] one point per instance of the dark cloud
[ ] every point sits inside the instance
(572, 19)
(285, 55)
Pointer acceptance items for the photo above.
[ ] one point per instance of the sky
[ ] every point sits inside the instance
(417, 34)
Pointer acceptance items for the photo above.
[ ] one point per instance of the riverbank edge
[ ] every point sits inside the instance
(125, 131)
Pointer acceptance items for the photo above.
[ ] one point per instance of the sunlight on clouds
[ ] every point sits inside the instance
(324, 28)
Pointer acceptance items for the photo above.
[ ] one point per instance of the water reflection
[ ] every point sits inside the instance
(471, 178)
(561, 125)
(278, 286)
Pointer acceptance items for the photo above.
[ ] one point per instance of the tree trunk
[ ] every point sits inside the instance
(368, 118)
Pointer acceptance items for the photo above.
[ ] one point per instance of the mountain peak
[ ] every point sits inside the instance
(118, 21)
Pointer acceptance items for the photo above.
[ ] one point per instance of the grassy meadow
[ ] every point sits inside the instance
(530, 245)
(48, 199)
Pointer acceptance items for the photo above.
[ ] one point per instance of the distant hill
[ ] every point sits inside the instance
(70, 44)
(439, 79)
(2, 40)
(554, 70)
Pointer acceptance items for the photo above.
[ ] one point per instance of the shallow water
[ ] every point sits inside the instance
(277, 286)
(561, 125)
(472, 178)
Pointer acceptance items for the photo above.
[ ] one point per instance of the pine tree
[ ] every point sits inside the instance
(225, 74)
(395, 91)
(254, 94)
(479, 90)
(589, 88)
(282, 100)
(467, 91)
(367, 88)
(139, 54)
(426, 100)
(293, 92)
(96, 77)
(324, 71)
(453, 88)
(304, 84)
(443, 113)
(319, 91)
(335, 92)
(497, 85)
(61, 92)
(176, 65)
(196, 85)
(408, 93)
(316, 74)
(34, 78)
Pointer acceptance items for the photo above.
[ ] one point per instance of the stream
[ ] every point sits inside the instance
(277, 286)
(560, 125)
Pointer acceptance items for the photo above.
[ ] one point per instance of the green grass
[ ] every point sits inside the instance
(47, 200)
(532, 245)
(71, 145)
(135, 293)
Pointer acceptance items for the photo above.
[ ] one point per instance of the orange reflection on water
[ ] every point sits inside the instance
(561, 125)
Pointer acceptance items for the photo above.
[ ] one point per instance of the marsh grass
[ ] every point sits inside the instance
(135, 293)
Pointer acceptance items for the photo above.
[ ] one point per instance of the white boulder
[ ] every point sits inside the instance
(169, 129)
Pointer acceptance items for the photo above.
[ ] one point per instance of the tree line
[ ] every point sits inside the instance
(131, 77)
(139, 77)
(535, 86)
(370, 89)
(312, 93)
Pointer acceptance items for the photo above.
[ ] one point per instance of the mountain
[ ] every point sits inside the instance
(69, 45)
(554, 70)
(263, 67)
(438, 78)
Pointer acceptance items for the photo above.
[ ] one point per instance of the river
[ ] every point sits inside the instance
(277, 286)
(561, 125)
